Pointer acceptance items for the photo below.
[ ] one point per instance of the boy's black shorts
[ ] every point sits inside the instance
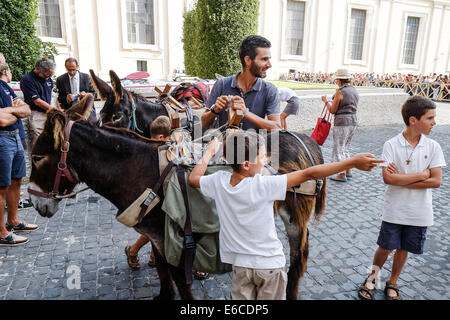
(397, 236)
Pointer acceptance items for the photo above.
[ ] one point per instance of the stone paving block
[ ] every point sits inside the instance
(52, 293)
(139, 283)
(105, 290)
(143, 292)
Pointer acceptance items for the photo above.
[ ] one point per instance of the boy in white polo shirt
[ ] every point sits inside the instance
(244, 201)
(413, 166)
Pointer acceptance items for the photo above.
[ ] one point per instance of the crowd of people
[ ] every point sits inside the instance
(433, 85)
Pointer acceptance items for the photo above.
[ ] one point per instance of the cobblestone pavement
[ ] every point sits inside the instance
(85, 235)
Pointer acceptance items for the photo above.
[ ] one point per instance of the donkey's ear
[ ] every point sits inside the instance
(101, 87)
(54, 126)
(117, 86)
(82, 109)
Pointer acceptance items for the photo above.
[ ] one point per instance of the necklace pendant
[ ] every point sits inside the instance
(408, 162)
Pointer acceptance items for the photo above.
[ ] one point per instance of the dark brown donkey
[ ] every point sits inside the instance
(125, 109)
(291, 155)
(120, 168)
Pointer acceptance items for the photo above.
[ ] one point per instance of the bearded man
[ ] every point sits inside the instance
(246, 91)
(37, 86)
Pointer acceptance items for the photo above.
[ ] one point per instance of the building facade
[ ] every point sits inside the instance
(381, 36)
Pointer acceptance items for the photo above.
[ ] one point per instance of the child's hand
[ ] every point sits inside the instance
(366, 161)
(392, 168)
(213, 146)
(426, 174)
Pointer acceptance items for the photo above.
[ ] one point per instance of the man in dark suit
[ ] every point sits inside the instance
(73, 86)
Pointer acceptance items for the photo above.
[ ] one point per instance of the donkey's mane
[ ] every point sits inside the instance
(148, 104)
(115, 140)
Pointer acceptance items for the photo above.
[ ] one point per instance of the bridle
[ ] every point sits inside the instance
(62, 171)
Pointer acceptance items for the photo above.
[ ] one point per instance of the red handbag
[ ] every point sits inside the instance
(323, 126)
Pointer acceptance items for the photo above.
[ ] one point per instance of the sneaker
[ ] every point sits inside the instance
(13, 240)
(23, 226)
(24, 204)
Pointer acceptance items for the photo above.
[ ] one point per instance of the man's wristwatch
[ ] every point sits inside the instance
(212, 109)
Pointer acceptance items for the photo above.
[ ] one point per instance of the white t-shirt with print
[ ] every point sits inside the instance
(247, 237)
(410, 206)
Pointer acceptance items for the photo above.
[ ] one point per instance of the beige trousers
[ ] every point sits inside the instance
(258, 284)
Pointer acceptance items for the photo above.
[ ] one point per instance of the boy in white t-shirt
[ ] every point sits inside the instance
(413, 166)
(244, 200)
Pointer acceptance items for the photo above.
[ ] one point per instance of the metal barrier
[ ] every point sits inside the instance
(433, 90)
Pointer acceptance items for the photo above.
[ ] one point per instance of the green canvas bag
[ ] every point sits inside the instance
(205, 225)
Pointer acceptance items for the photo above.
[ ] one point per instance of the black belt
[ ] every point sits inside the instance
(7, 133)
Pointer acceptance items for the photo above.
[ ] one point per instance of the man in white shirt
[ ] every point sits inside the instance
(413, 166)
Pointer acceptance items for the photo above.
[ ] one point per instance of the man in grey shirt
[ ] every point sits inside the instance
(246, 91)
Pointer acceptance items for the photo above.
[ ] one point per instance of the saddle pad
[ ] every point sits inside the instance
(129, 217)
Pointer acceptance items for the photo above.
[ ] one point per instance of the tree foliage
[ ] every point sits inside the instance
(212, 33)
(18, 40)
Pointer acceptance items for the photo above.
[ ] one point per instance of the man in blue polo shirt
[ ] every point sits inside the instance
(12, 161)
(37, 87)
(23, 203)
(246, 91)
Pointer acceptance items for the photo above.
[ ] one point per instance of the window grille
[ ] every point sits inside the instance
(48, 23)
(356, 38)
(142, 65)
(410, 42)
(140, 21)
(295, 22)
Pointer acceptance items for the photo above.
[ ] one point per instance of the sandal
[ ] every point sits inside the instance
(337, 179)
(200, 275)
(133, 261)
(394, 287)
(364, 288)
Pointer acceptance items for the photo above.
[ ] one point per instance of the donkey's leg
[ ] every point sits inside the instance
(180, 280)
(167, 291)
(298, 255)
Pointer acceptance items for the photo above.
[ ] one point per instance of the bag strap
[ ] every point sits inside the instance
(201, 91)
(187, 257)
(152, 195)
(327, 113)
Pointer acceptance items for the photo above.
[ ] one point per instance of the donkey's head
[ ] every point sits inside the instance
(118, 102)
(46, 155)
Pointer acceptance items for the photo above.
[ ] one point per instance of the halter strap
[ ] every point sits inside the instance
(132, 124)
(62, 171)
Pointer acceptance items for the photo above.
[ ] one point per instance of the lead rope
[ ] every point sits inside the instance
(132, 125)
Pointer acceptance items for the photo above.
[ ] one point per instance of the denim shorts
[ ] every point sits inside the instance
(396, 236)
(12, 158)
